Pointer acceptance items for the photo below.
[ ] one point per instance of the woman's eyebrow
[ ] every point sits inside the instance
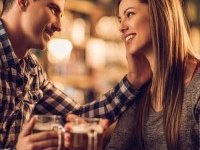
(128, 9)
(118, 17)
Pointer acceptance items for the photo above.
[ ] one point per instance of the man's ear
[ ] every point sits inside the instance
(23, 4)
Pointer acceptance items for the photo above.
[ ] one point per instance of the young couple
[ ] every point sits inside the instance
(157, 102)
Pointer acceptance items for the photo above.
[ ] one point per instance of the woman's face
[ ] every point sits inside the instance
(135, 26)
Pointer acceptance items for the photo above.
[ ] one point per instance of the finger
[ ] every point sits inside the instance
(68, 127)
(67, 136)
(27, 129)
(55, 148)
(42, 136)
(71, 117)
(46, 144)
(67, 140)
(67, 144)
(105, 123)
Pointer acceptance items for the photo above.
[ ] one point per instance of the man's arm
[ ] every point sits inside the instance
(112, 104)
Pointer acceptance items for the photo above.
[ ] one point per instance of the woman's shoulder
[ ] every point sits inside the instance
(192, 92)
(196, 77)
(196, 91)
(194, 84)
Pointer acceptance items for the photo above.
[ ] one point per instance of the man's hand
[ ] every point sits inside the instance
(36, 141)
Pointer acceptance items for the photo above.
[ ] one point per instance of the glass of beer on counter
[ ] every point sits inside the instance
(86, 134)
(49, 123)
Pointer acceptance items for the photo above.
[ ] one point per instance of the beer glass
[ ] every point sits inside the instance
(49, 123)
(86, 134)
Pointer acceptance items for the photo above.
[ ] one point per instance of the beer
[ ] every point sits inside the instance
(80, 141)
(46, 123)
(47, 127)
(86, 136)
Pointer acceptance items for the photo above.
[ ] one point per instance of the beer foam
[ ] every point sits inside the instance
(79, 129)
(98, 129)
(48, 126)
(85, 129)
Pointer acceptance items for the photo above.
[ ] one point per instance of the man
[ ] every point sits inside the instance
(24, 87)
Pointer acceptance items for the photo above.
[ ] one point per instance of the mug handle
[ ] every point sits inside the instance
(92, 139)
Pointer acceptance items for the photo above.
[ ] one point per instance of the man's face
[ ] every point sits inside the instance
(40, 20)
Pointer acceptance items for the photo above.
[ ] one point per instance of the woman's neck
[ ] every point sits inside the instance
(191, 67)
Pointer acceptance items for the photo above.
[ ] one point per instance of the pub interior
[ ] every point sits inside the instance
(88, 57)
(92, 58)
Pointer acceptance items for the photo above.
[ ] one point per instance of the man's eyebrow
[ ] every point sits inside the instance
(56, 6)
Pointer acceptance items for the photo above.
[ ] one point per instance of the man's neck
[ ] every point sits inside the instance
(15, 36)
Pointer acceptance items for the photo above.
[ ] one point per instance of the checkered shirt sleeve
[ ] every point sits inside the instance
(112, 104)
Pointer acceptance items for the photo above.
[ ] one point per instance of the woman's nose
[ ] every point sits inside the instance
(123, 27)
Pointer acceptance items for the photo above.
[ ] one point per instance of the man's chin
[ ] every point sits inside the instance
(42, 46)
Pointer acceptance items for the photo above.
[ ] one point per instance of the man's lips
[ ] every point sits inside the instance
(49, 32)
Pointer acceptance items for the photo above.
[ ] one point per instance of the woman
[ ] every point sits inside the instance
(166, 114)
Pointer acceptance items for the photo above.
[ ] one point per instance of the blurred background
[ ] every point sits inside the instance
(87, 57)
(93, 58)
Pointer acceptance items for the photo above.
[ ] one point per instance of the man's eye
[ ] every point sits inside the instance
(54, 11)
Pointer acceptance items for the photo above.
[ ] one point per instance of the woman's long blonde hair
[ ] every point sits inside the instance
(172, 48)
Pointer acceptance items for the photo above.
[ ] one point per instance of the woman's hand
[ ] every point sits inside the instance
(139, 70)
(68, 127)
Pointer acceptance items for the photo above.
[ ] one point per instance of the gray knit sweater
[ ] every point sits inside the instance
(189, 138)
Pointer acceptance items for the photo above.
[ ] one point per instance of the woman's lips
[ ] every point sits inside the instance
(129, 38)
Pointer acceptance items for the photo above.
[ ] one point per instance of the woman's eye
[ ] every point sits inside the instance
(119, 20)
(129, 14)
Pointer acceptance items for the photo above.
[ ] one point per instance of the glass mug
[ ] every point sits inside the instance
(86, 134)
(49, 123)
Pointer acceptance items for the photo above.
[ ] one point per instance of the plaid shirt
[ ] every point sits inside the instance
(26, 90)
